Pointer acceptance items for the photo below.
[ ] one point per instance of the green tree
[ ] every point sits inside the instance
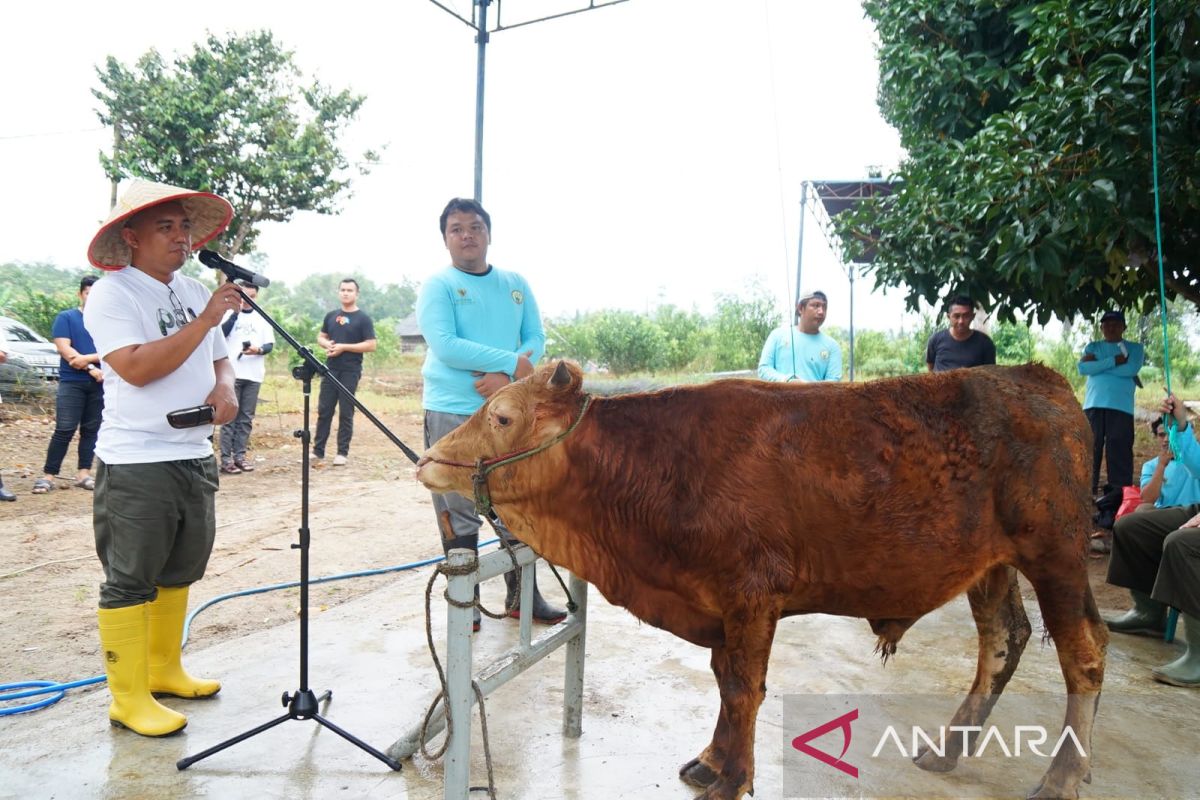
(35, 293)
(1028, 176)
(628, 342)
(740, 328)
(683, 334)
(231, 117)
(571, 337)
(1014, 343)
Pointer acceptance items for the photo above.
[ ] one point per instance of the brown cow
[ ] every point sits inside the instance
(711, 511)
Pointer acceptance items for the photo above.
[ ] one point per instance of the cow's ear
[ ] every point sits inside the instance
(561, 376)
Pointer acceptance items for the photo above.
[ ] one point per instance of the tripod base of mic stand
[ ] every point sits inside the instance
(301, 705)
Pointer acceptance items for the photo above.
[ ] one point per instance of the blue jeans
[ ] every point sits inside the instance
(79, 405)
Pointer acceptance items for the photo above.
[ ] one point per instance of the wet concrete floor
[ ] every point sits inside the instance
(649, 705)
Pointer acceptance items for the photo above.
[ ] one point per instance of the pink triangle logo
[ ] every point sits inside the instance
(843, 722)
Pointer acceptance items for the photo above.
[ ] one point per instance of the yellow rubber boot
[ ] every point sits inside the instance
(123, 644)
(165, 617)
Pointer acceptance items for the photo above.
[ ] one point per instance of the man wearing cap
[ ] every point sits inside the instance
(959, 346)
(153, 512)
(801, 352)
(1111, 366)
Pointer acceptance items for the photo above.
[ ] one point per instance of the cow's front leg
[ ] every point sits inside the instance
(740, 666)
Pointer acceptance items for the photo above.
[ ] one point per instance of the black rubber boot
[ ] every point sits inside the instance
(466, 543)
(1148, 617)
(543, 612)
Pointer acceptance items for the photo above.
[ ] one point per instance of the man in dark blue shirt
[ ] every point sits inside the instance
(80, 395)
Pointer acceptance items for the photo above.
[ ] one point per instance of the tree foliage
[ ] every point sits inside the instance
(34, 293)
(1028, 180)
(231, 117)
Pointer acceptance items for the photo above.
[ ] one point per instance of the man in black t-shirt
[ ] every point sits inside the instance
(959, 346)
(345, 335)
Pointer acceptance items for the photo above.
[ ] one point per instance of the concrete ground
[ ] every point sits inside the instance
(650, 704)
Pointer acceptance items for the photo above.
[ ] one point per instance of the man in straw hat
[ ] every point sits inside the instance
(154, 498)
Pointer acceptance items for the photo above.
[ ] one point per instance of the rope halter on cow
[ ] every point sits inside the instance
(484, 466)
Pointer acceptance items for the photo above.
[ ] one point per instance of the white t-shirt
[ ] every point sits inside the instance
(130, 307)
(252, 328)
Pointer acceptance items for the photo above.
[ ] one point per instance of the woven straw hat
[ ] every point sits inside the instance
(209, 213)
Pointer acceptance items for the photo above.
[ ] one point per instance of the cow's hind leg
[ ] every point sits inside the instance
(702, 770)
(1003, 631)
(1080, 638)
(740, 667)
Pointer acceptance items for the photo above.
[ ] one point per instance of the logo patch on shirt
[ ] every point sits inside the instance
(517, 297)
(462, 292)
(824, 355)
(341, 320)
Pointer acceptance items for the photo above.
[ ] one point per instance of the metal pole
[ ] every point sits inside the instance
(481, 40)
(459, 697)
(851, 321)
(576, 648)
(800, 246)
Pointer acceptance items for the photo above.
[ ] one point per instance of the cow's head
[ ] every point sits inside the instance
(518, 418)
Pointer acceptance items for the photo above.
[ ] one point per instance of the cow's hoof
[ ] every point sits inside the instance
(697, 773)
(724, 791)
(932, 762)
(1044, 792)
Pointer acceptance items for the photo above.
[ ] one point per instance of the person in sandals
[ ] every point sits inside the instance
(159, 340)
(80, 398)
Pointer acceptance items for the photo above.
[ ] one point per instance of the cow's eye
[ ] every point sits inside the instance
(503, 421)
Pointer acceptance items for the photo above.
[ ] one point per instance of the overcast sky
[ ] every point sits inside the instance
(651, 151)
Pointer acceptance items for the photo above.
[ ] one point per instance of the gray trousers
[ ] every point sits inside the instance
(1153, 555)
(235, 435)
(154, 526)
(455, 513)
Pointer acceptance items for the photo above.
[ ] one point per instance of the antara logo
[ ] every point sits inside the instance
(1031, 736)
(843, 722)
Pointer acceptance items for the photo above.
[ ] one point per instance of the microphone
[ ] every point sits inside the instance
(213, 261)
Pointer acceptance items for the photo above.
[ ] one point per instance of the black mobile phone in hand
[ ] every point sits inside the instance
(190, 417)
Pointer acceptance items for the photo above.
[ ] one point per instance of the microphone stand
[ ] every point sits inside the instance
(303, 704)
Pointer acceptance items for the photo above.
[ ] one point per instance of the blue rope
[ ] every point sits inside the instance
(11, 691)
(1169, 421)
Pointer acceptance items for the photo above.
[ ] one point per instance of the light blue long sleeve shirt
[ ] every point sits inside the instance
(789, 354)
(474, 323)
(1110, 385)
(1179, 485)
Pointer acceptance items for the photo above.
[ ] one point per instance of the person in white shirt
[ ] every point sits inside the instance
(249, 336)
(154, 506)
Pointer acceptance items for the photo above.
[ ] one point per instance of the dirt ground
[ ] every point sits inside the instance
(370, 514)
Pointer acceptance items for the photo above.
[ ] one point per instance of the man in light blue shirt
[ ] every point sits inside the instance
(1156, 555)
(483, 330)
(1165, 481)
(801, 352)
(1111, 367)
